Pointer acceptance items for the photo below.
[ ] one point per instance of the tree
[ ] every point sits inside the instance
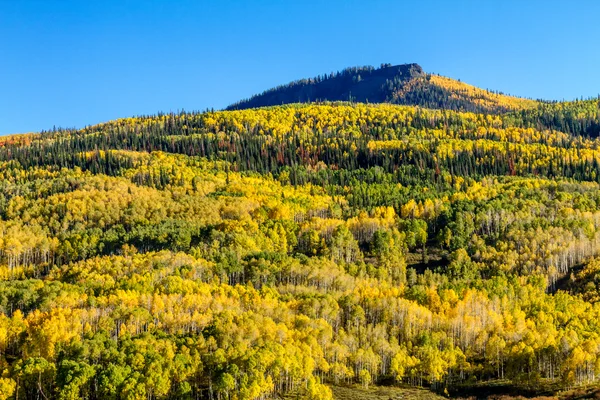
(365, 378)
(343, 247)
(7, 388)
(403, 364)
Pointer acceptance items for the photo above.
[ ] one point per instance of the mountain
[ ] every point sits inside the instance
(360, 84)
(316, 251)
(400, 84)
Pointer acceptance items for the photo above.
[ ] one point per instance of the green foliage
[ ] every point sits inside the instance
(249, 254)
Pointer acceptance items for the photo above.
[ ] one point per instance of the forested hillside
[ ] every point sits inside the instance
(400, 84)
(274, 252)
(361, 84)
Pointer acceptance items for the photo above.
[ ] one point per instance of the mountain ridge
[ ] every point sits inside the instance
(406, 84)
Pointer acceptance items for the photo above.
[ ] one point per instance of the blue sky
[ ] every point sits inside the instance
(74, 63)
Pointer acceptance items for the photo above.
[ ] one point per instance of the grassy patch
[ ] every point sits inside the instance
(382, 393)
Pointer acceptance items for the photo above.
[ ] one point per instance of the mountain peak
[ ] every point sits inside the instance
(399, 84)
(359, 84)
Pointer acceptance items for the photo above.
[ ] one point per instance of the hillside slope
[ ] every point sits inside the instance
(302, 251)
(360, 84)
(400, 84)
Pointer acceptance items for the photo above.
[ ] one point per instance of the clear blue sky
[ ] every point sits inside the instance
(74, 63)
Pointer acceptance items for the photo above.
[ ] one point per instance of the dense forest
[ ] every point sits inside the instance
(360, 84)
(274, 252)
(399, 84)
